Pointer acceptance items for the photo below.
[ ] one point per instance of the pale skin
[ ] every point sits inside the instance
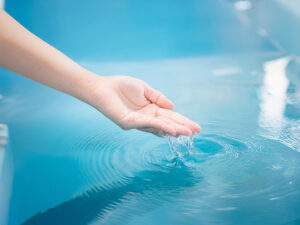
(129, 102)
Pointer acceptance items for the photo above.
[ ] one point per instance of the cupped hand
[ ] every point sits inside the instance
(131, 103)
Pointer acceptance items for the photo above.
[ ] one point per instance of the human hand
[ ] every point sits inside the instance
(127, 101)
(131, 103)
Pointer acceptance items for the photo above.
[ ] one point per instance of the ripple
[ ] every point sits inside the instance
(242, 163)
(222, 171)
(110, 161)
(217, 173)
(237, 169)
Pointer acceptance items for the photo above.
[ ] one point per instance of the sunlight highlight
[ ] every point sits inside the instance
(274, 93)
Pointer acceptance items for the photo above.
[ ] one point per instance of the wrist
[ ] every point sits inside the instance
(89, 84)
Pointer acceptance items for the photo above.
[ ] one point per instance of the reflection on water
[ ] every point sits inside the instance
(274, 95)
(3, 142)
(5, 174)
(280, 104)
(120, 202)
(242, 169)
(214, 174)
(243, 5)
(292, 109)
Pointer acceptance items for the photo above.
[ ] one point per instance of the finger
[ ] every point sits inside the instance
(157, 98)
(180, 129)
(155, 123)
(180, 119)
(154, 131)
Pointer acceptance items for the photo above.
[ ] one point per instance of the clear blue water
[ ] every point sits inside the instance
(65, 163)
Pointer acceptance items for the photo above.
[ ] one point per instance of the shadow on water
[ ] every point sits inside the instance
(154, 187)
(212, 179)
(144, 190)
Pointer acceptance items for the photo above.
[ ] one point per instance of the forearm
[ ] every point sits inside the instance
(24, 53)
(129, 102)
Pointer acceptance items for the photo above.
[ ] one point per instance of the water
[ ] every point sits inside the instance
(223, 175)
(65, 163)
(73, 166)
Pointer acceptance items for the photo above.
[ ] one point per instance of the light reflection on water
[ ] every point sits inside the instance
(243, 168)
(244, 164)
(280, 97)
(3, 142)
(222, 173)
(5, 173)
(274, 95)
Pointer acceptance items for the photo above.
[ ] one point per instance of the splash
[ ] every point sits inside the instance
(181, 146)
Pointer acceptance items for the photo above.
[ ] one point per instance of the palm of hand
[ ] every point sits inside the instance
(131, 103)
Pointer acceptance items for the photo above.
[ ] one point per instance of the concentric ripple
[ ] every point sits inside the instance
(220, 174)
(238, 159)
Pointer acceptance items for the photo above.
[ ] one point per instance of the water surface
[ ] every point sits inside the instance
(65, 163)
